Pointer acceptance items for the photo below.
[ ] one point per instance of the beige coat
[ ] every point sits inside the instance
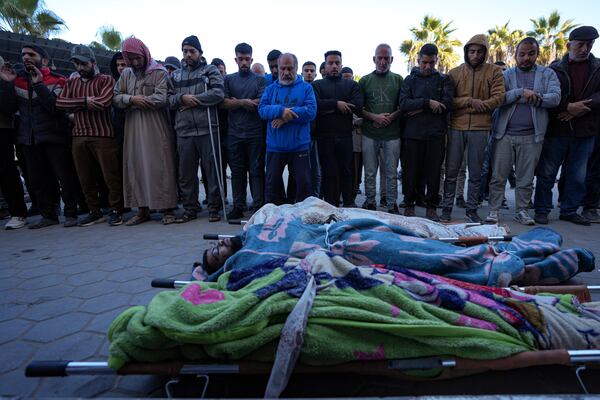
(485, 82)
(148, 149)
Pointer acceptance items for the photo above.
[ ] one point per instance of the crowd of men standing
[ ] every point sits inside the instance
(135, 140)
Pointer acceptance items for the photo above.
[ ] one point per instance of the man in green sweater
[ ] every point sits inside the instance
(381, 127)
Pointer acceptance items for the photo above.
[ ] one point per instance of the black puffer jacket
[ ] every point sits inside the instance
(588, 124)
(330, 121)
(415, 94)
(41, 122)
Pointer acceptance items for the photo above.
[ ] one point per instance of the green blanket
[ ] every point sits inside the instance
(359, 313)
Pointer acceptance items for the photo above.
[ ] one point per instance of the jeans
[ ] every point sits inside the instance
(524, 153)
(474, 143)
(573, 154)
(246, 158)
(391, 155)
(298, 165)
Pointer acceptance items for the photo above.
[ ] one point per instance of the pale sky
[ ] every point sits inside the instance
(307, 28)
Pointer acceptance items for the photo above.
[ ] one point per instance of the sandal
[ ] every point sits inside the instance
(168, 219)
(213, 216)
(137, 219)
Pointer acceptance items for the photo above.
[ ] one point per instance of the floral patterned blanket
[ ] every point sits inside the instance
(533, 258)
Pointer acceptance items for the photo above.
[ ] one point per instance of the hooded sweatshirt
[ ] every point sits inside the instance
(484, 82)
(293, 136)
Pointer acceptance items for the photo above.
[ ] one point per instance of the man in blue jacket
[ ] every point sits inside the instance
(288, 106)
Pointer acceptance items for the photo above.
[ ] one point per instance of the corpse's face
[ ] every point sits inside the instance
(217, 255)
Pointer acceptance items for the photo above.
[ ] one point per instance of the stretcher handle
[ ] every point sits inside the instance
(237, 222)
(214, 236)
(473, 240)
(163, 283)
(39, 369)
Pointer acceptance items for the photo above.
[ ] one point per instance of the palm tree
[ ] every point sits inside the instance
(29, 17)
(552, 35)
(503, 43)
(110, 37)
(432, 30)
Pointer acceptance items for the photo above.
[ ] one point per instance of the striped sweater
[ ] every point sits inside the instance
(74, 99)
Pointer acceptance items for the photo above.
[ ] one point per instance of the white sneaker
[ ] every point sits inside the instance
(15, 223)
(524, 218)
(492, 217)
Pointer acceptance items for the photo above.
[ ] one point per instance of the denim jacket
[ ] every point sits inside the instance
(546, 84)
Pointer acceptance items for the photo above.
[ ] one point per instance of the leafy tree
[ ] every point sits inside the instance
(503, 44)
(552, 35)
(432, 30)
(29, 17)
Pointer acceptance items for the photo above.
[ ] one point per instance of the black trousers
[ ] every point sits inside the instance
(422, 163)
(298, 165)
(246, 160)
(46, 163)
(336, 156)
(10, 179)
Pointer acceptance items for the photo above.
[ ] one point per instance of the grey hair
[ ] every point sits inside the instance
(290, 55)
(382, 46)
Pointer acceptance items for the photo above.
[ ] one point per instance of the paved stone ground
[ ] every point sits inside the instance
(62, 288)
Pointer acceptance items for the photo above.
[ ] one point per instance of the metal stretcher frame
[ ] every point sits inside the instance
(550, 371)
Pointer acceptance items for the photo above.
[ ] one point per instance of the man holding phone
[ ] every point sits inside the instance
(43, 132)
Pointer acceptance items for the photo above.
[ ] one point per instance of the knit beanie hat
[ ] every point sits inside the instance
(192, 41)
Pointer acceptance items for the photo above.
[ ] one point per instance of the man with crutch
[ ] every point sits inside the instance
(197, 89)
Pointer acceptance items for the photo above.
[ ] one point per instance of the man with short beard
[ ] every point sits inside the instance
(381, 127)
(198, 88)
(89, 97)
(148, 166)
(337, 100)
(43, 133)
(479, 89)
(571, 132)
(425, 100)
(288, 106)
(243, 91)
(519, 128)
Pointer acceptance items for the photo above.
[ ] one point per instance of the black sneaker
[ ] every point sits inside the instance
(95, 217)
(460, 202)
(71, 222)
(43, 223)
(540, 218)
(115, 218)
(576, 219)
(235, 213)
(592, 215)
(472, 216)
(369, 206)
(394, 210)
(446, 215)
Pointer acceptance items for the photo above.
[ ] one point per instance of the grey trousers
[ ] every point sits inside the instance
(192, 151)
(524, 153)
(391, 154)
(474, 143)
